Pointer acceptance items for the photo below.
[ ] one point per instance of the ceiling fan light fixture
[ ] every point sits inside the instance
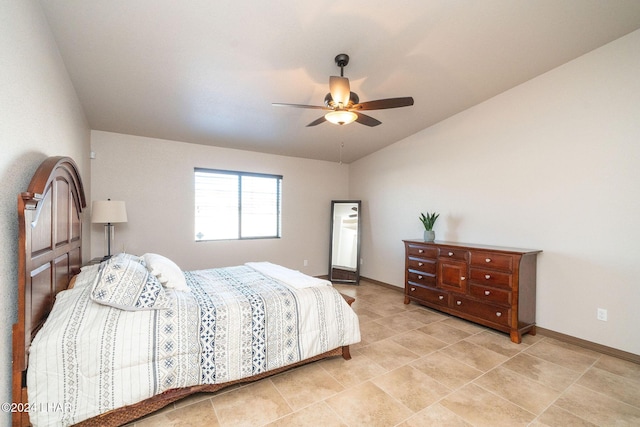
(341, 117)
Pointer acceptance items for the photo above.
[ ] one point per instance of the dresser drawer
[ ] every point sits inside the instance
(433, 296)
(421, 251)
(492, 260)
(424, 265)
(492, 313)
(421, 278)
(493, 295)
(453, 253)
(491, 278)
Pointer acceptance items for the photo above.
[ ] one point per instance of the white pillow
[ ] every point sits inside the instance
(167, 272)
(130, 257)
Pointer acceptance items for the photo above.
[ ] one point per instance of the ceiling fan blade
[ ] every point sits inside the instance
(367, 120)
(382, 104)
(317, 121)
(314, 107)
(340, 90)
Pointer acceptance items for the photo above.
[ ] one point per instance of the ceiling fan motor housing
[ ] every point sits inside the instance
(353, 100)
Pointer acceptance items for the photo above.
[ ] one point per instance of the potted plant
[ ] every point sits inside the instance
(428, 221)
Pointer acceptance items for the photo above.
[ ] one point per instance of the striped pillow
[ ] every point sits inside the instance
(125, 283)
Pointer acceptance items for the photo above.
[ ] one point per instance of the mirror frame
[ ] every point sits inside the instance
(338, 278)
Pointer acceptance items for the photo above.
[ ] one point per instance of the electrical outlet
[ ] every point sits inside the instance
(305, 263)
(602, 314)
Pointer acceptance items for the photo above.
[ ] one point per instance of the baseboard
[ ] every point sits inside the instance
(383, 284)
(610, 351)
(589, 345)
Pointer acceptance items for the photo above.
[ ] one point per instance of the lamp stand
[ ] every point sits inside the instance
(108, 231)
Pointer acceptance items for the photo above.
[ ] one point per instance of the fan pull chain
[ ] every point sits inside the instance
(341, 147)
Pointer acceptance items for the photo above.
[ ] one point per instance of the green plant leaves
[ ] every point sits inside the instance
(428, 220)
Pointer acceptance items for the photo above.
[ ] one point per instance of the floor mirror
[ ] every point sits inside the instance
(344, 248)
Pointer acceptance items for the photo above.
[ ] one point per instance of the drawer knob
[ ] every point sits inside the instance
(440, 297)
(498, 314)
(462, 278)
(459, 302)
(487, 276)
(450, 253)
(420, 251)
(420, 264)
(419, 277)
(487, 292)
(413, 289)
(487, 260)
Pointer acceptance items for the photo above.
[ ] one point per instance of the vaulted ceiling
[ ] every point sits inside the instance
(207, 72)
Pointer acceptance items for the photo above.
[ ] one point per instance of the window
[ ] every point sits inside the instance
(236, 205)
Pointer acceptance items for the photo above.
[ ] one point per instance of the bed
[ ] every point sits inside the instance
(188, 332)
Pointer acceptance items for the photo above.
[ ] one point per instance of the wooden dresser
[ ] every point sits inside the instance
(490, 285)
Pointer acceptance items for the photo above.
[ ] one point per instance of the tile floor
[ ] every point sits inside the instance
(417, 367)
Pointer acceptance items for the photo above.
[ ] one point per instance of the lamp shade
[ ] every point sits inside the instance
(108, 211)
(341, 117)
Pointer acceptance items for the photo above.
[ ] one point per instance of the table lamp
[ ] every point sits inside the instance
(108, 212)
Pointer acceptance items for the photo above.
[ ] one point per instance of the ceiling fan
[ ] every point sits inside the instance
(344, 106)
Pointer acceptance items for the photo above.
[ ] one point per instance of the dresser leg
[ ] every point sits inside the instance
(516, 337)
(406, 299)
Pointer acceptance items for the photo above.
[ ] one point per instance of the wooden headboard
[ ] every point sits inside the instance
(49, 255)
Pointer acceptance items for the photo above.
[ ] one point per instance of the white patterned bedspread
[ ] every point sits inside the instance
(235, 322)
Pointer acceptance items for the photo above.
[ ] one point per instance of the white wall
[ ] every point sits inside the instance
(40, 116)
(552, 164)
(155, 179)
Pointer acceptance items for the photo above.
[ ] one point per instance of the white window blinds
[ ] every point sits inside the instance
(236, 205)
